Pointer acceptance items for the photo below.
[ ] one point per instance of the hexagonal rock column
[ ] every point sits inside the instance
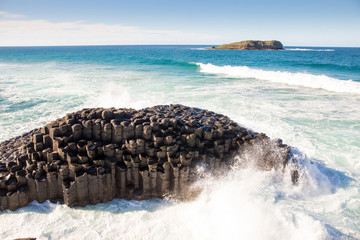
(94, 155)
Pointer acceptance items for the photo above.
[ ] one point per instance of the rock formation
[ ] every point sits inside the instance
(252, 45)
(95, 155)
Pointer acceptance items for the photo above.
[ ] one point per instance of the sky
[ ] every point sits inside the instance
(333, 23)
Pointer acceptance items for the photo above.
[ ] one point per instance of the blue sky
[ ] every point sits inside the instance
(90, 22)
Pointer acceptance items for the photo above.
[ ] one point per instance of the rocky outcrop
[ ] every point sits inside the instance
(252, 45)
(95, 155)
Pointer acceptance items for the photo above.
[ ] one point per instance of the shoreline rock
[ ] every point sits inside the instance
(95, 155)
(251, 45)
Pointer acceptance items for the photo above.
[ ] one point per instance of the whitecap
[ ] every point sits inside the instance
(310, 49)
(291, 78)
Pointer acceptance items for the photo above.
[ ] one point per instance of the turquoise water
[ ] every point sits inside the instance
(309, 97)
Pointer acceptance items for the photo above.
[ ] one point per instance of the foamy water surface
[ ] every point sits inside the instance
(316, 110)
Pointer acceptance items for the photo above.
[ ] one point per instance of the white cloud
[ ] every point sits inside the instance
(10, 15)
(41, 33)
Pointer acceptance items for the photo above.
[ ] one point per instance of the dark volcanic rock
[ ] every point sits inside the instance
(95, 155)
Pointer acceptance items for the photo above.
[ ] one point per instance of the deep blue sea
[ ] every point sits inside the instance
(307, 96)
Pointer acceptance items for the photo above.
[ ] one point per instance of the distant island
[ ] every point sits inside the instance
(252, 45)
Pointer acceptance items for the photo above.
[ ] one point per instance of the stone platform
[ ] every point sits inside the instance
(95, 155)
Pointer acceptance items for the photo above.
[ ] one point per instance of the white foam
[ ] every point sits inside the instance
(310, 49)
(246, 204)
(290, 78)
(233, 207)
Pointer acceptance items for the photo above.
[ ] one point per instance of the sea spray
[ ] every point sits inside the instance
(321, 123)
(244, 203)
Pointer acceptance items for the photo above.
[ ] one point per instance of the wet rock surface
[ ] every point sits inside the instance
(95, 155)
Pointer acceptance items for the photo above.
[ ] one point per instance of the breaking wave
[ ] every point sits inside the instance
(290, 78)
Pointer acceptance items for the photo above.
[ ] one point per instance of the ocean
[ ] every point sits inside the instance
(309, 97)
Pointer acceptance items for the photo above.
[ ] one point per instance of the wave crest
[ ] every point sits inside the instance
(295, 79)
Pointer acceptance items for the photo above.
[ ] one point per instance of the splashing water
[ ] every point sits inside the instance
(243, 204)
(237, 205)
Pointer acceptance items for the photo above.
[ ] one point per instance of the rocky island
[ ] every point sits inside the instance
(252, 45)
(95, 155)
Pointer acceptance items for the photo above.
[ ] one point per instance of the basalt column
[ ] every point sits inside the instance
(97, 154)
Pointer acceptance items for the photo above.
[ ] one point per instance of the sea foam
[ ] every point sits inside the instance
(290, 78)
(234, 206)
(246, 203)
